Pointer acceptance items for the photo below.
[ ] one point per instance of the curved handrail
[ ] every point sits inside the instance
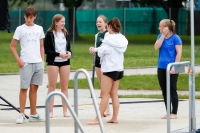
(92, 94)
(50, 95)
(192, 123)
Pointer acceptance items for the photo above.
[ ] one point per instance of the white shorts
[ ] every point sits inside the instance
(31, 73)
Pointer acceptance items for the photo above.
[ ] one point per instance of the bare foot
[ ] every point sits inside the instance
(104, 115)
(164, 117)
(172, 116)
(93, 122)
(50, 114)
(108, 113)
(66, 114)
(113, 121)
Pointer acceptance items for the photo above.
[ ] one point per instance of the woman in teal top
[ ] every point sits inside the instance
(101, 24)
(169, 45)
(99, 38)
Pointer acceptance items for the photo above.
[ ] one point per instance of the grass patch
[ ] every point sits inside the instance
(140, 52)
(139, 82)
(155, 96)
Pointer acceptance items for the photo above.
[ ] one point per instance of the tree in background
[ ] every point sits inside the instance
(20, 2)
(70, 4)
(172, 6)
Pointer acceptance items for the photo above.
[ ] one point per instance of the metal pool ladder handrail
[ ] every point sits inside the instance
(93, 98)
(179, 67)
(50, 95)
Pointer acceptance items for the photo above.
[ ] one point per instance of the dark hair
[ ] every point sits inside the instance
(170, 24)
(30, 11)
(115, 25)
(55, 19)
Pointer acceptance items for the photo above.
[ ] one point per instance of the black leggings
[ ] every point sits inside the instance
(162, 73)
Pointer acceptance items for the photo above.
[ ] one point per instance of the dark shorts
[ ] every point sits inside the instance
(115, 75)
(97, 63)
(58, 64)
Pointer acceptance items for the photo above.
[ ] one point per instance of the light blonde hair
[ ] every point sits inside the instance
(170, 24)
(57, 18)
(104, 19)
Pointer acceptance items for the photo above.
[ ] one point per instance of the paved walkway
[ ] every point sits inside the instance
(136, 114)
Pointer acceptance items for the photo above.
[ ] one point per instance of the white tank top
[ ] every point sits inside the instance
(60, 45)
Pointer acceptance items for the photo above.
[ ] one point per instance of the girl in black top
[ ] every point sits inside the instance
(57, 49)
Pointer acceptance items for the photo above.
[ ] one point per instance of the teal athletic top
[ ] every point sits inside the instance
(99, 40)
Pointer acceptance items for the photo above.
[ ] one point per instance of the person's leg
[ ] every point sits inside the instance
(99, 75)
(33, 98)
(22, 100)
(36, 80)
(25, 78)
(115, 101)
(52, 72)
(174, 95)
(161, 74)
(22, 104)
(64, 78)
(107, 112)
(106, 85)
(34, 116)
